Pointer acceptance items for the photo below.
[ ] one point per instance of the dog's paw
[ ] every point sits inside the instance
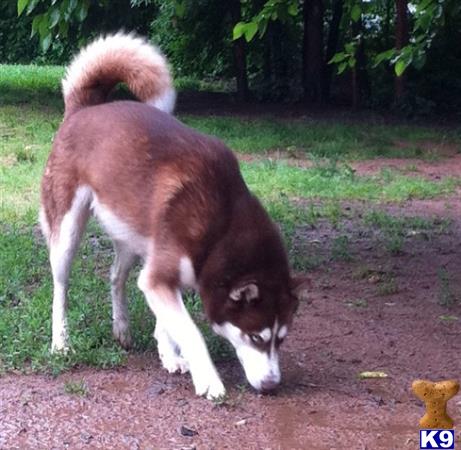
(122, 335)
(213, 389)
(174, 363)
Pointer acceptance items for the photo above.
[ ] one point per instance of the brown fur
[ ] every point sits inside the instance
(185, 190)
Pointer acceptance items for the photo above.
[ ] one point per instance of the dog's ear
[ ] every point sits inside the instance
(248, 292)
(300, 286)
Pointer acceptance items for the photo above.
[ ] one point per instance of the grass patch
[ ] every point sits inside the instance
(323, 139)
(269, 180)
(396, 229)
(78, 388)
(30, 112)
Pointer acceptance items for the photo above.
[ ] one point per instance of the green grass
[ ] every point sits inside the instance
(30, 113)
(322, 138)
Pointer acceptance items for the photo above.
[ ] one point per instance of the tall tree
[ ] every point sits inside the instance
(401, 40)
(313, 62)
(332, 46)
(239, 50)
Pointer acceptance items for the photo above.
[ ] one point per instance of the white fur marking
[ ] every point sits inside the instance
(165, 102)
(266, 334)
(45, 226)
(187, 273)
(62, 250)
(170, 312)
(119, 230)
(259, 366)
(282, 332)
(168, 351)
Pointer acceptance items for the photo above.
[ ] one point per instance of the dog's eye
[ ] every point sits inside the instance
(256, 338)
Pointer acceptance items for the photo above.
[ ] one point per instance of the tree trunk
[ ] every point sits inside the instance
(360, 81)
(313, 61)
(332, 47)
(239, 50)
(401, 39)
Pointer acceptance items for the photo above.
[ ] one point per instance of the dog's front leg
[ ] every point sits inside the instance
(167, 305)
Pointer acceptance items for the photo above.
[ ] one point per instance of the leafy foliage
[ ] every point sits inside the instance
(358, 38)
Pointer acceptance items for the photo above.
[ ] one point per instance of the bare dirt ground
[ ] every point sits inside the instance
(352, 324)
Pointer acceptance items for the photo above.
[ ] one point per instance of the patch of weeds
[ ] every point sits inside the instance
(394, 243)
(446, 296)
(448, 318)
(357, 303)
(410, 168)
(387, 175)
(341, 249)
(388, 287)
(25, 155)
(78, 388)
(396, 229)
(304, 260)
(333, 212)
(331, 167)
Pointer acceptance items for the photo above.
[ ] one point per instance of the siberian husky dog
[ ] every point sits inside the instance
(173, 198)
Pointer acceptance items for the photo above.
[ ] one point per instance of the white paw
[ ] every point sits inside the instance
(121, 333)
(212, 388)
(174, 363)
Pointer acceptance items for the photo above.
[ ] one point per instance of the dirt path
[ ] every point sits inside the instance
(354, 323)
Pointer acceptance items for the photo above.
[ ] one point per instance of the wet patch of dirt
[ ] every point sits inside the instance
(350, 325)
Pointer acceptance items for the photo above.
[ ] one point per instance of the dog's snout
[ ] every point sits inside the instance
(269, 384)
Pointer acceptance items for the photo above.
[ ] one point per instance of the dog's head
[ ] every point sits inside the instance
(255, 317)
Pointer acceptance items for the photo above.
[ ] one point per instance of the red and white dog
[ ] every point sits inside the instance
(174, 198)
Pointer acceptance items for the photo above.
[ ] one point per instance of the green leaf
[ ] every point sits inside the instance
(54, 17)
(423, 5)
(384, 56)
(35, 25)
(356, 12)
(44, 29)
(180, 9)
(82, 11)
(46, 42)
(342, 67)
(21, 6)
(338, 57)
(293, 9)
(400, 67)
(32, 5)
(72, 5)
(419, 59)
(350, 47)
(63, 8)
(63, 28)
(238, 30)
(250, 31)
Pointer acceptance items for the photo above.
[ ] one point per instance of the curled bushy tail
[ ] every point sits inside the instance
(109, 60)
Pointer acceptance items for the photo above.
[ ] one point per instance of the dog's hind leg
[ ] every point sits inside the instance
(64, 240)
(124, 260)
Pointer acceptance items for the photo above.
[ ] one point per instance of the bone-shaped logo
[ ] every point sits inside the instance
(435, 396)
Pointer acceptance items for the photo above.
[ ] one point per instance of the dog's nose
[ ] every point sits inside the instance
(269, 384)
